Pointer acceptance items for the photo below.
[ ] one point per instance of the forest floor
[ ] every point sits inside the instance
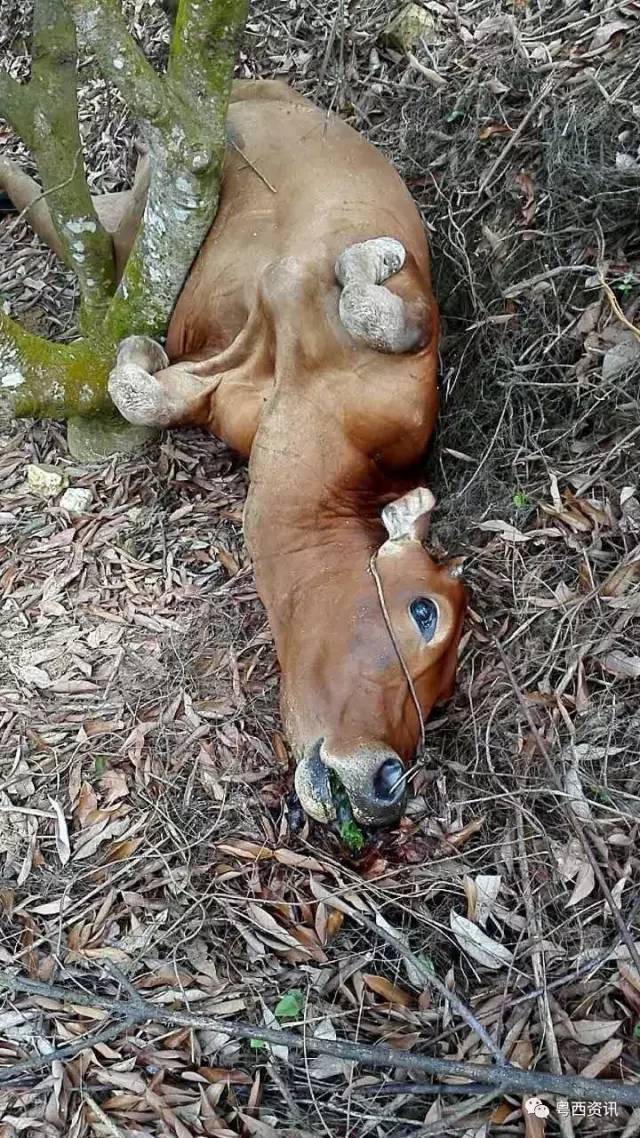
(146, 825)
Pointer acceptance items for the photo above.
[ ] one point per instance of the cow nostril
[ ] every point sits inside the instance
(388, 782)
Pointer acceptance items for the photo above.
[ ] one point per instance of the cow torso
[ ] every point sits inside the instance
(299, 187)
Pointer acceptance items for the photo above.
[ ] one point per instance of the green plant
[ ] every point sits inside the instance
(290, 1005)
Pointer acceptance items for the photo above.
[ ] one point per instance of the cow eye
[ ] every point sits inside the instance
(425, 615)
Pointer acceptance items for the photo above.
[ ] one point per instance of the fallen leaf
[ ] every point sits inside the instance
(300, 861)
(590, 1032)
(327, 1066)
(608, 1053)
(122, 850)
(224, 1075)
(605, 32)
(227, 560)
(487, 889)
(589, 319)
(63, 845)
(508, 532)
(269, 925)
(569, 858)
(250, 850)
(494, 128)
(328, 923)
(480, 947)
(389, 992)
(459, 837)
(575, 794)
(620, 359)
(619, 664)
(585, 882)
(87, 804)
(125, 1080)
(621, 579)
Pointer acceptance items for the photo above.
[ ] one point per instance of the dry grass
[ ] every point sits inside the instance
(138, 685)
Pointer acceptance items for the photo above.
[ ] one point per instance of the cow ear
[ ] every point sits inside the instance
(407, 519)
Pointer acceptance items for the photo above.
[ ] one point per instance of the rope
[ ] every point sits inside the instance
(385, 612)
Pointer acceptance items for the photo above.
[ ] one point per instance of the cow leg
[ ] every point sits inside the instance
(371, 313)
(224, 399)
(27, 197)
(149, 392)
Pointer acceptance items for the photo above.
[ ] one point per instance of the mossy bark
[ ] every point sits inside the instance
(184, 118)
(46, 380)
(58, 149)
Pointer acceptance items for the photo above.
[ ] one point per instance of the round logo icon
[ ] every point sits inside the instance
(537, 1107)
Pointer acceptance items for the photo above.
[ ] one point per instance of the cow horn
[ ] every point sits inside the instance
(371, 313)
(408, 517)
(456, 568)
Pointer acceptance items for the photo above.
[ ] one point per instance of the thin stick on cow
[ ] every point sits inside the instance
(573, 1087)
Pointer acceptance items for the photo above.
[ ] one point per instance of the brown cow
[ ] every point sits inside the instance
(287, 343)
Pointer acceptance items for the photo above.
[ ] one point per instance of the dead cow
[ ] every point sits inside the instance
(306, 338)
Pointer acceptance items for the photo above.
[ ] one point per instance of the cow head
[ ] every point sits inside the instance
(371, 648)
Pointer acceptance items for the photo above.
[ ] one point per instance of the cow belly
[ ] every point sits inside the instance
(311, 187)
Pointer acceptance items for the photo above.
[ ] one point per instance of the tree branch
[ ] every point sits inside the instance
(101, 24)
(574, 1087)
(186, 160)
(52, 381)
(58, 148)
(16, 106)
(205, 42)
(186, 147)
(186, 150)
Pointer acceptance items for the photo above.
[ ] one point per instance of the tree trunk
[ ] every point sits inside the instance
(183, 117)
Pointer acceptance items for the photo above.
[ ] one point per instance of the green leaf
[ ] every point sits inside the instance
(258, 1044)
(520, 500)
(100, 764)
(352, 836)
(636, 1030)
(290, 1005)
(348, 828)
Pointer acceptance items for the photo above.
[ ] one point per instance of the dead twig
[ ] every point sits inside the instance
(438, 81)
(453, 1118)
(508, 146)
(251, 166)
(103, 1118)
(613, 301)
(67, 1051)
(558, 271)
(429, 978)
(573, 1087)
(537, 962)
(577, 826)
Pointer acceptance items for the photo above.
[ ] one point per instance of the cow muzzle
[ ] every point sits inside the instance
(372, 775)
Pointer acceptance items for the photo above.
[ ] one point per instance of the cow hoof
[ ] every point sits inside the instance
(372, 314)
(139, 397)
(370, 262)
(313, 787)
(146, 353)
